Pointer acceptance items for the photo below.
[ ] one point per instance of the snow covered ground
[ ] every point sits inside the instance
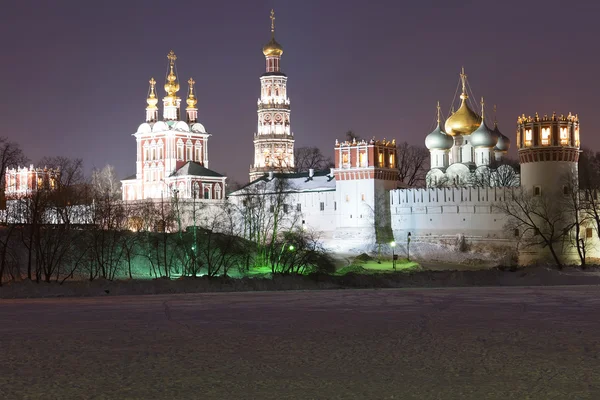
(456, 343)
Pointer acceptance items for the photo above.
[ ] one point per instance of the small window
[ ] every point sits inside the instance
(272, 208)
(516, 233)
(347, 199)
(537, 191)
(298, 207)
(565, 190)
(322, 206)
(335, 206)
(588, 233)
(285, 208)
(362, 197)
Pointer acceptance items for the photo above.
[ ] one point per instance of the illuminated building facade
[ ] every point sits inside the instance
(172, 153)
(273, 140)
(466, 149)
(22, 181)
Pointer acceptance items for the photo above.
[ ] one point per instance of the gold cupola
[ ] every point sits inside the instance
(464, 121)
(152, 100)
(171, 86)
(191, 99)
(272, 49)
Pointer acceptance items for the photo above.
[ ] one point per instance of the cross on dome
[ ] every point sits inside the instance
(273, 22)
(172, 57)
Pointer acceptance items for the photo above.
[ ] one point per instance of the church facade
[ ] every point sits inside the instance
(172, 151)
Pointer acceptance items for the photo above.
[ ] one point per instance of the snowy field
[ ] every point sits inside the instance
(462, 343)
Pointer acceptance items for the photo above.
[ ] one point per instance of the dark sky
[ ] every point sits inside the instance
(74, 74)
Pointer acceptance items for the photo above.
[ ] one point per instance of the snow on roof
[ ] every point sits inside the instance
(195, 169)
(321, 181)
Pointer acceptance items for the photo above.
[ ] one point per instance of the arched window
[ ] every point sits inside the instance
(218, 191)
(146, 152)
(545, 136)
(188, 145)
(160, 150)
(198, 151)
(528, 137)
(207, 192)
(180, 149)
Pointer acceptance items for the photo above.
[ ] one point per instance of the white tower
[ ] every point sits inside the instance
(548, 154)
(273, 140)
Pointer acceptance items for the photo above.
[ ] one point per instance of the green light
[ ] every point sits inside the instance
(292, 248)
(193, 247)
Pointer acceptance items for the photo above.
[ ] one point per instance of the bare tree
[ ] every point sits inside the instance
(108, 225)
(537, 221)
(351, 135)
(105, 181)
(589, 185)
(299, 251)
(265, 212)
(11, 156)
(412, 164)
(160, 247)
(218, 246)
(576, 215)
(310, 158)
(8, 254)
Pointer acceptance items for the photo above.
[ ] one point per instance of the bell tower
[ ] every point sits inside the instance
(273, 140)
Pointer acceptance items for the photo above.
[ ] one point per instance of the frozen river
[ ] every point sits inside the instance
(467, 343)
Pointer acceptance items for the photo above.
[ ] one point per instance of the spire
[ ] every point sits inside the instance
(171, 102)
(438, 112)
(171, 86)
(272, 24)
(272, 49)
(191, 100)
(191, 110)
(495, 120)
(482, 110)
(463, 78)
(151, 109)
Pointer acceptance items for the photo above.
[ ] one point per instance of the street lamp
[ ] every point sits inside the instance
(291, 248)
(408, 246)
(393, 244)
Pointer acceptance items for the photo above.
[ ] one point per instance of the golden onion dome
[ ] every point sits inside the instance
(152, 100)
(272, 49)
(171, 86)
(464, 121)
(191, 99)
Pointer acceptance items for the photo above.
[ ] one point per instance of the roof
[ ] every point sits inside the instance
(296, 182)
(129, 178)
(194, 169)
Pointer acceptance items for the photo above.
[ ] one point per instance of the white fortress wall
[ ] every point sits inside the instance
(452, 224)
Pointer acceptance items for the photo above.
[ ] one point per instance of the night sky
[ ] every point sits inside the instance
(74, 74)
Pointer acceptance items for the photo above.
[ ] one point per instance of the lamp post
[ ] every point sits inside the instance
(393, 244)
(408, 246)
